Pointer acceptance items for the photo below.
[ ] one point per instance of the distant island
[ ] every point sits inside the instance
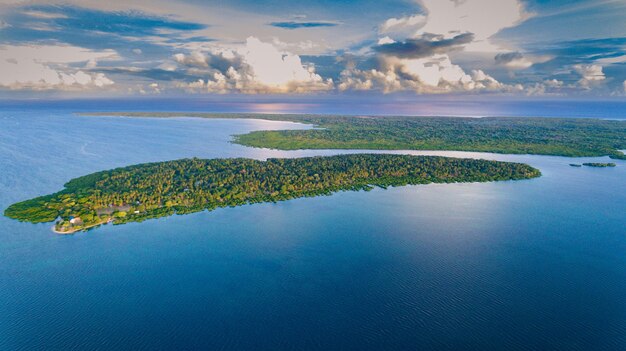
(151, 190)
(599, 164)
(573, 137)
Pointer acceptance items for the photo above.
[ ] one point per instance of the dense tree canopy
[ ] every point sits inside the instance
(542, 136)
(599, 164)
(152, 190)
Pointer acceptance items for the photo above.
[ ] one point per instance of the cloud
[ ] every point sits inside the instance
(298, 46)
(547, 87)
(446, 19)
(421, 61)
(615, 59)
(423, 47)
(435, 74)
(69, 17)
(91, 64)
(159, 73)
(303, 24)
(590, 74)
(167, 66)
(49, 67)
(404, 26)
(135, 34)
(196, 59)
(434, 48)
(256, 67)
(155, 88)
(610, 49)
(446, 24)
(516, 60)
(483, 18)
(44, 14)
(385, 40)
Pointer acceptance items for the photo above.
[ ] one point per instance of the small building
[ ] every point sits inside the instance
(76, 221)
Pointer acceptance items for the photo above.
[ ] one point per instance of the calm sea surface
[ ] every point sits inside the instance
(527, 265)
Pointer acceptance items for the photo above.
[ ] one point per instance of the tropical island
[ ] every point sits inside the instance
(572, 137)
(152, 190)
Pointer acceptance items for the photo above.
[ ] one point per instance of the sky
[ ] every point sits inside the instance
(375, 49)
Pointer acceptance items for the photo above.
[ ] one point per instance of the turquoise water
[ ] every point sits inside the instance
(527, 265)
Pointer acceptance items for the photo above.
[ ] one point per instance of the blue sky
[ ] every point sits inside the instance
(543, 48)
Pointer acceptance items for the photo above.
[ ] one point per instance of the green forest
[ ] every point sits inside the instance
(152, 190)
(572, 137)
(599, 164)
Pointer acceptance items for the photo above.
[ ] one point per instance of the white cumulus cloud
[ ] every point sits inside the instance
(435, 74)
(48, 67)
(196, 58)
(589, 74)
(547, 87)
(256, 67)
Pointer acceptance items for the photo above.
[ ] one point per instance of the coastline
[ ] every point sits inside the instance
(72, 231)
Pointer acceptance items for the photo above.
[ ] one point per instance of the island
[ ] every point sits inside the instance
(599, 164)
(572, 137)
(139, 192)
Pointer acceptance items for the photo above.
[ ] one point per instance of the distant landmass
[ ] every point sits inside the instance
(151, 190)
(572, 137)
(599, 164)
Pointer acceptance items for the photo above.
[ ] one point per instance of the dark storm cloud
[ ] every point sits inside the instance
(504, 58)
(424, 46)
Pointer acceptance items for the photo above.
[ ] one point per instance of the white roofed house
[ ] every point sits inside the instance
(76, 221)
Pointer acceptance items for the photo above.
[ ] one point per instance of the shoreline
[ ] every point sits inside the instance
(72, 231)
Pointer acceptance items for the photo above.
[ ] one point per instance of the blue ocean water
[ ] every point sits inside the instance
(389, 105)
(527, 265)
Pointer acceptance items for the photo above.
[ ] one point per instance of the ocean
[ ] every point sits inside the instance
(536, 264)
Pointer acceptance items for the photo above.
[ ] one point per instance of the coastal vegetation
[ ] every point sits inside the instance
(599, 164)
(573, 137)
(151, 190)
